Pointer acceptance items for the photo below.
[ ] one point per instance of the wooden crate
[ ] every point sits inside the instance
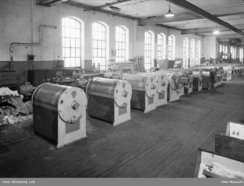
(231, 144)
(207, 158)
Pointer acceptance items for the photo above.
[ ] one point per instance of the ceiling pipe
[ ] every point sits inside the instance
(186, 5)
(28, 44)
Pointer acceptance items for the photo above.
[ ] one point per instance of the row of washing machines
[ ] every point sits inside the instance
(60, 112)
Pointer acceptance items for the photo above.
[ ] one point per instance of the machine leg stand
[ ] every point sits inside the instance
(149, 104)
(121, 115)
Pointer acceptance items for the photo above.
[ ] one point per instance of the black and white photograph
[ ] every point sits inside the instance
(128, 92)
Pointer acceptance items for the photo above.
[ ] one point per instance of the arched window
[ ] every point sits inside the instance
(241, 54)
(198, 52)
(192, 52)
(185, 52)
(149, 38)
(171, 47)
(220, 48)
(99, 45)
(161, 46)
(121, 39)
(232, 52)
(72, 42)
(225, 51)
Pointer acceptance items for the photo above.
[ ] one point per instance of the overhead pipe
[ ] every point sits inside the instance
(28, 44)
(186, 5)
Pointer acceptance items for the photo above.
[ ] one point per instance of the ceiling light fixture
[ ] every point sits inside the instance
(169, 13)
(216, 31)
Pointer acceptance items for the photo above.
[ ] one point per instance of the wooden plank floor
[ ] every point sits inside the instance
(162, 143)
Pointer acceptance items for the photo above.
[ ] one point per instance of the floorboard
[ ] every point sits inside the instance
(162, 143)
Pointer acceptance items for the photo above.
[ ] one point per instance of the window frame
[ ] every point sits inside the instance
(72, 42)
(198, 52)
(100, 47)
(185, 53)
(192, 52)
(161, 46)
(148, 50)
(125, 43)
(171, 57)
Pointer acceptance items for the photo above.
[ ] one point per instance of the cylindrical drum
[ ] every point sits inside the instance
(208, 70)
(161, 81)
(173, 78)
(59, 113)
(149, 75)
(185, 75)
(141, 83)
(109, 99)
(197, 72)
(119, 90)
(67, 101)
(227, 68)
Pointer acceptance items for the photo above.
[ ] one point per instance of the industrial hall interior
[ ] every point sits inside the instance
(121, 89)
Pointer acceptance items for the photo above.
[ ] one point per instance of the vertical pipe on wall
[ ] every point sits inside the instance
(135, 26)
(156, 45)
(32, 25)
(60, 34)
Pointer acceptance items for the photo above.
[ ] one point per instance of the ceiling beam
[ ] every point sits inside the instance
(219, 12)
(229, 36)
(163, 19)
(227, 40)
(197, 22)
(209, 29)
(113, 3)
(93, 8)
(49, 3)
(169, 27)
(186, 5)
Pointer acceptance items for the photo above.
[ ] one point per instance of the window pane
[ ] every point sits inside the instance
(98, 45)
(67, 62)
(72, 23)
(72, 52)
(77, 25)
(71, 28)
(77, 52)
(77, 33)
(94, 44)
(67, 52)
(95, 52)
(72, 42)
(99, 53)
(103, 53)
(72, 62)
(77, 62)
(77, 43)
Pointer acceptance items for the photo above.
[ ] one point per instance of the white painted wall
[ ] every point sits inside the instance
(20, 20)
(156, 30)
(210, 47)
(16, 26)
